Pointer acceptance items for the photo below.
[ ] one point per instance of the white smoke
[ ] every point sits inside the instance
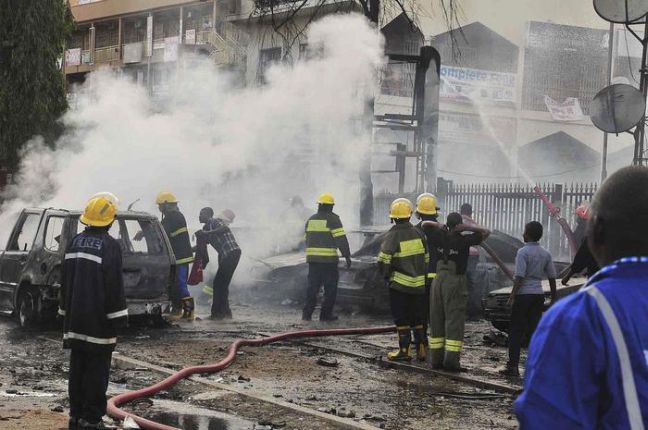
(216, 144)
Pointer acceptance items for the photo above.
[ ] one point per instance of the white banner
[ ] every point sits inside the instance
(133, 52)
(170, 48)
(464, 84)
(190, 37)
(149, 35)
(73, 57)
(569, 110)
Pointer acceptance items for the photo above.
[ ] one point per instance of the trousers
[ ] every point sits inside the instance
(226, 268)
(407, 309)
(326, 275)
(181, 291)
(88, 382)
(448, 302)
(525, 315)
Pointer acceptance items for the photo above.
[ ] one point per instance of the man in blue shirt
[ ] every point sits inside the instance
(533, 264)
(588, 360)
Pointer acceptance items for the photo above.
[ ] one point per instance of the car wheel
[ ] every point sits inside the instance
(26, 309)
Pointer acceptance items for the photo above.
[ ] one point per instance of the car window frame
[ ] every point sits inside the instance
(62, 243)
(15, 234)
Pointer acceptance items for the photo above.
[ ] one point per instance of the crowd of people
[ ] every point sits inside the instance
(587, 365)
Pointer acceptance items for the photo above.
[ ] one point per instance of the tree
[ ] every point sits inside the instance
(284, 14)
(32, 89)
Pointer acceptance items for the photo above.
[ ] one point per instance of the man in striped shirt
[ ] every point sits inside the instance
(93, 306)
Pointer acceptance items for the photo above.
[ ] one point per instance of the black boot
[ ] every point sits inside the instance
(73, 423)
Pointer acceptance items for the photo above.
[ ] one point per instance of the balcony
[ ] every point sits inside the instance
(78, 60)
(108, 55)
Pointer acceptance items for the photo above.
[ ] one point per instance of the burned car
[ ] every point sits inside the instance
(30, 266)
(362, 285)
(498, 311)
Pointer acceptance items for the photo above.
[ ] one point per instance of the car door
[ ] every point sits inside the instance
(16, 255)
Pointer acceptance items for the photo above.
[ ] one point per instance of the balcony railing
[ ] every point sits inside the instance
(107, 54)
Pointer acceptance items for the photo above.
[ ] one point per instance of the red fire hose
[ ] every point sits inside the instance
(116, 412)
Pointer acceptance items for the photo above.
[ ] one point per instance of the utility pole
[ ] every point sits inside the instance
(640, 131)
(605, 135)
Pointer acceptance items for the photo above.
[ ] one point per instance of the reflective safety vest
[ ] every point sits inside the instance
(404, 258)
(175, 227)
(324, 236)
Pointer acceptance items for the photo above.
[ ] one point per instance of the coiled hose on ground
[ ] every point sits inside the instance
(116, 412)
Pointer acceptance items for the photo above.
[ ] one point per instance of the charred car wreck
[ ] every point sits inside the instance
(30, 265)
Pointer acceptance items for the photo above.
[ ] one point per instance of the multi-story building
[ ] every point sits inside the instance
(145, 38)
(517, 79)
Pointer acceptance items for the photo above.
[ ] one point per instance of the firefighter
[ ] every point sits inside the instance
(175, 227)
(93, 306)
(324, 236)
(427, 210)
(403, 261)
(449, 295)
(587, 364)
(217, 233)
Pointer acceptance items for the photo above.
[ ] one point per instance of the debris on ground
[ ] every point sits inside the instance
(495, 339)
(130, 424)
(327, 362)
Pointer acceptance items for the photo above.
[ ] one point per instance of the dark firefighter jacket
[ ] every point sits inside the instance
(92, 301)
(431, 273)
(175, 227)
(324, 236)
(404, 258)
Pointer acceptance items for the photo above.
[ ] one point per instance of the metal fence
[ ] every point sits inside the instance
(508, 207)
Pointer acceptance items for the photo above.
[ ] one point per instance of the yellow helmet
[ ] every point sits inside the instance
(110, 196)
(400, 209)
(326, 199)
(99, 212)
(166, 197)
(426, 204)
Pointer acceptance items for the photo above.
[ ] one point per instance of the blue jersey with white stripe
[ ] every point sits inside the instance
(92, 291)
(575, 378)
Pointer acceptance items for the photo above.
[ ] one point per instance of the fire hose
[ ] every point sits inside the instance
(115, 411)
(554, 212)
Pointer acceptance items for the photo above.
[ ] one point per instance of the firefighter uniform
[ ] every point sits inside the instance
(324, 236)
(449, 297)
(427, 210)
(403, 260)
(175, 226)
(93, 306)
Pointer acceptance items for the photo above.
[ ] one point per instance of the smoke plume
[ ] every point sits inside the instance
(217, 144)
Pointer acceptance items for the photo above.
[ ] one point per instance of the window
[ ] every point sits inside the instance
(134, 236)
(267, 57)
(24, 240)
(53, 233)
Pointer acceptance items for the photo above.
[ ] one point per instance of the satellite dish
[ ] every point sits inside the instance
(617, 108)
(621, 11)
